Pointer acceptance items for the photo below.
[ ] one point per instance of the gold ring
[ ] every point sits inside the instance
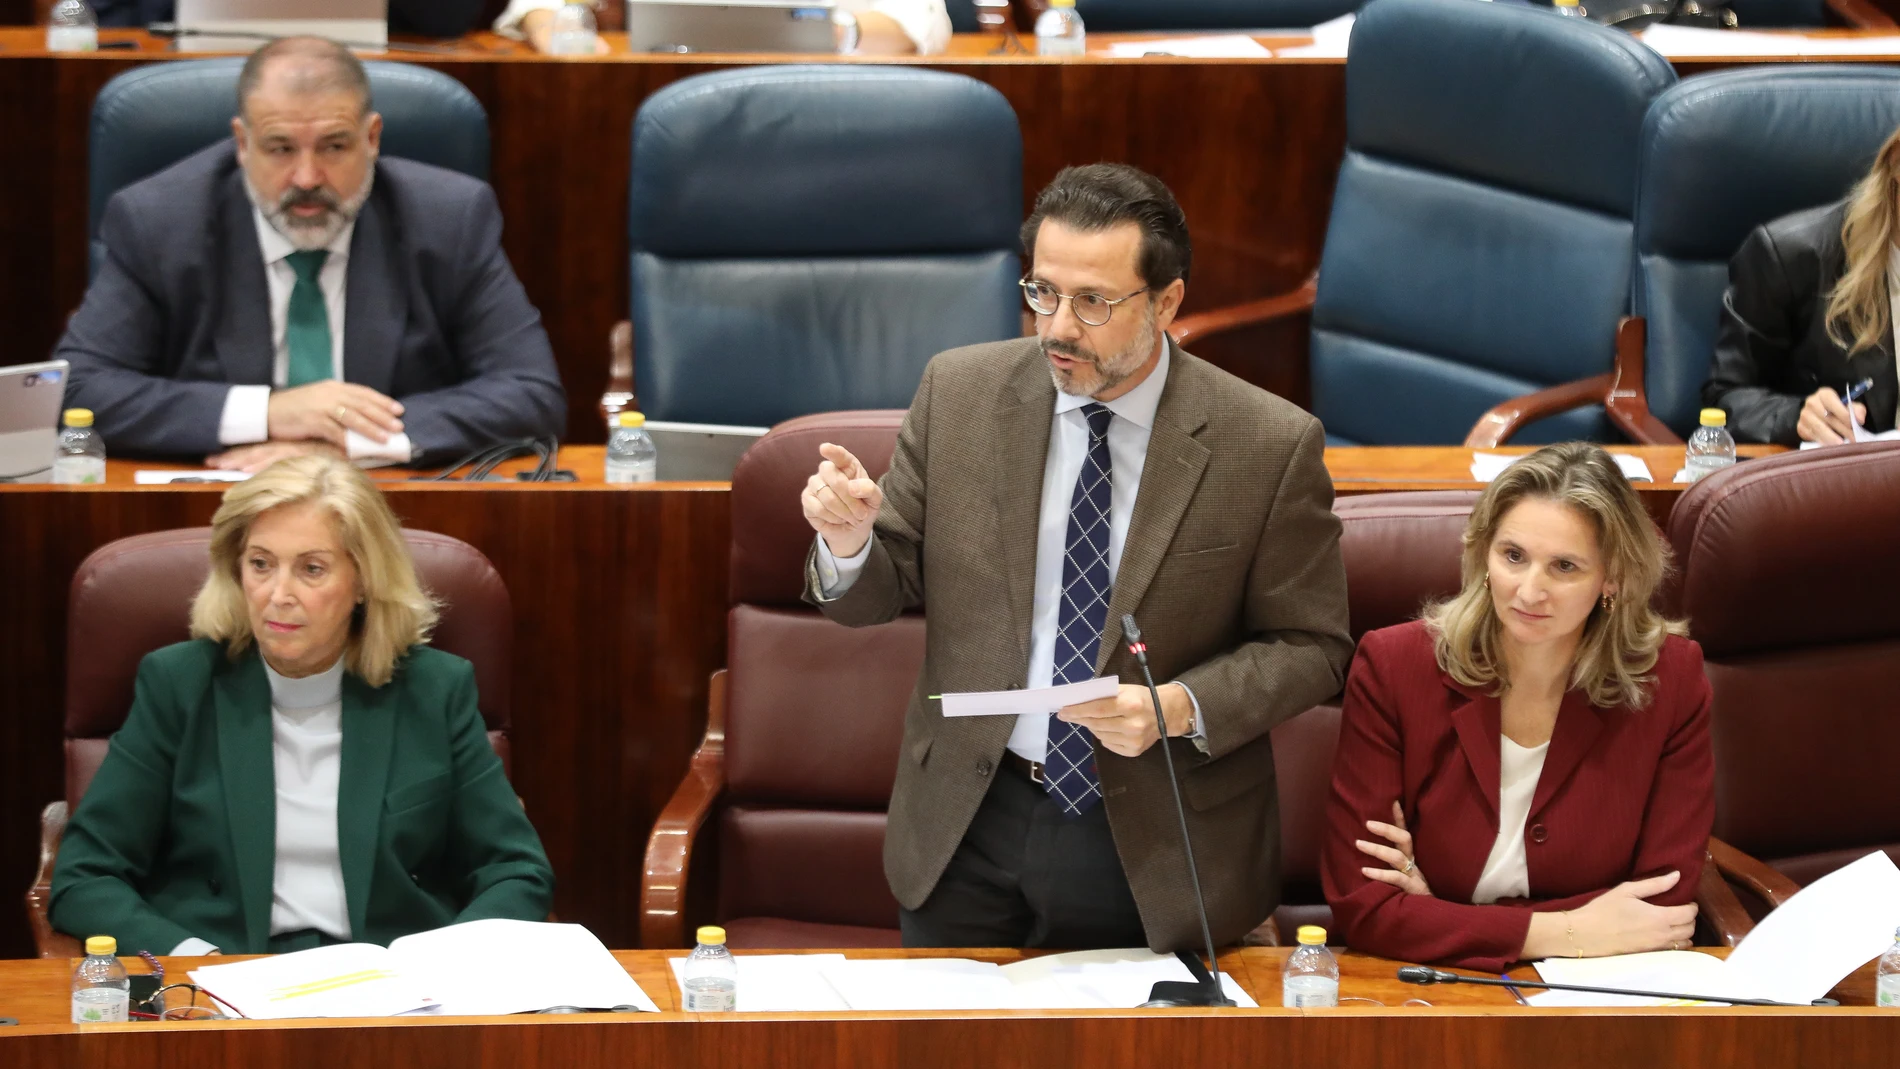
(341, 411)
(1407, 870)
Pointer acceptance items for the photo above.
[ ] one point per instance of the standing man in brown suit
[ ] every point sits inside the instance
(1040, 489)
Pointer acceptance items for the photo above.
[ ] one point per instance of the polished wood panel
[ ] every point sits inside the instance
(1467, 1027)
(619, 596)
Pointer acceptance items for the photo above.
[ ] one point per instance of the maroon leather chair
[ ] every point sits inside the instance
(1789, 578)
(1401, 550)
(133, 596)
(803, 729)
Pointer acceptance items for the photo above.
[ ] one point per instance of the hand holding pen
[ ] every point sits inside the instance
(1829, 419)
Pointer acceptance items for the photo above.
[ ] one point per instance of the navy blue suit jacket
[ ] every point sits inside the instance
(430, 18)
(434, 315)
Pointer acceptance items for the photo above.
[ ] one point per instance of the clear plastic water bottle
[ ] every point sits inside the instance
(71, 27)
(1059, 30)
(631, 456)
(574, 31)
(1710, 447)
(102, 993)
(711, 977)
(1310, 979)
(81, 457)
(1887, 976)
(1569, 8)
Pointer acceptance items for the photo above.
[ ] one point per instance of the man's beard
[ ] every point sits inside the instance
(318, 231)
(1093, 375)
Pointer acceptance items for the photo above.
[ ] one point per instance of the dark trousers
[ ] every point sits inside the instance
(1027, 875)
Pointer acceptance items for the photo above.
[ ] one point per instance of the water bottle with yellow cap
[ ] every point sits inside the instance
(102, 992)
(81, 456)
(1310, 979)
(710, 981)
(1711, 448)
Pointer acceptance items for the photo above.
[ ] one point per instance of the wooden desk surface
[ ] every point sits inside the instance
(1461, 1026)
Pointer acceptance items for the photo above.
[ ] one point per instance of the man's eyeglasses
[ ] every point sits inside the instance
(1091, 308)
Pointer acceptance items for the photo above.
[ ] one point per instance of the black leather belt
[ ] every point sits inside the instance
(1030, 770)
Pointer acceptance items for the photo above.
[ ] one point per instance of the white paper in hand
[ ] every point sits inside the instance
(1039, 700)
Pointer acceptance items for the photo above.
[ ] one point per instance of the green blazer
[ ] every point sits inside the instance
(176, 837)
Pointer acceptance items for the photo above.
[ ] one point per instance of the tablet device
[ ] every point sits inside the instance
(30, 400)
(730, 26)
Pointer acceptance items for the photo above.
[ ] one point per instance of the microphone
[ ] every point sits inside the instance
(1205, 989)
(1425, 975)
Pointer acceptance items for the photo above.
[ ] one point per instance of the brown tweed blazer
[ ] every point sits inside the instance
(1231, 565)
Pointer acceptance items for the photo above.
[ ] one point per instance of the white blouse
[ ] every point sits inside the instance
(1505, 872)
(306, 757)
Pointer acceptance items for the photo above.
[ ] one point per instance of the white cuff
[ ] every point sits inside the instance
(508, 23)
(368, 453)
(925, 22)
(192, 948)
(836, 576)
(1199, 735)
(246, 416)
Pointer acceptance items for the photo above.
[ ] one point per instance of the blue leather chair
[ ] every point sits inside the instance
(1141, 15)
(805, 238)
(1480, 245)
(1722, 154)
(149, 118)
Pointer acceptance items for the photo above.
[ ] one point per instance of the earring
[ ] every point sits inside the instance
(1608, 601)
(1487, 580)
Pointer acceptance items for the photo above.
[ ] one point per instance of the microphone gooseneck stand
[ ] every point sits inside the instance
(1204, 989)
(1425, 975)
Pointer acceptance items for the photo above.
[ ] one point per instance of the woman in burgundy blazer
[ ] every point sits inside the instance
(1551, 652)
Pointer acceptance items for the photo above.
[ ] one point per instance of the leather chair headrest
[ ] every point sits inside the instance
(133, 596)
(149, 118)
(1502, 94)
(1723, 153)
(770, 535)
(1790, 551)
(1401, 551)
(825, 160)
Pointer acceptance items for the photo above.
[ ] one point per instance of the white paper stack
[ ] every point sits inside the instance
(1795, 955)
(473, 969)
(1092, 979)
(1224, 46)
(1488, 466)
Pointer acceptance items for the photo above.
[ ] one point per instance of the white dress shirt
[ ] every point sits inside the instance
(1128, 433)
(925, 22)
(306, 758)
(1506, 873)
(246, 415)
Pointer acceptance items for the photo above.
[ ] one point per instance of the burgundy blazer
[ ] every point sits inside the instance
(1624, 794)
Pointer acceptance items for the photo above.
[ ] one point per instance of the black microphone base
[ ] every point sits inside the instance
(1171, 993)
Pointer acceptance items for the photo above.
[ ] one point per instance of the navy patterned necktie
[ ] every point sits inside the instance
(1069, 770)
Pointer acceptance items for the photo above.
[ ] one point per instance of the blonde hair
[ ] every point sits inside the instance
(1858, 311)
(396, 612)
(1620, 643)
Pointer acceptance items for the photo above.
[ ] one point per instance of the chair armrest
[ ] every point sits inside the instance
(1717, 906)
(1628, 402)
(48, 943)
(1769, 885)
(619, 395)
(1249, 314)
(1861, 15)
(1496, 426)
(670, 846)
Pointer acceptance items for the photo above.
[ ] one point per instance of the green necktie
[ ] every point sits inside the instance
(307, 325)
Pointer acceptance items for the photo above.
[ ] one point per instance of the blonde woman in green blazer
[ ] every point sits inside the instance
(305, 771)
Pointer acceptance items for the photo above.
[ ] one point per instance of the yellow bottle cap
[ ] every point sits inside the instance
(712, 935)
(1312, 935)
(1714, 417)
(79, 417)
(101, 944)
(1061, 3)
(632, 419)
